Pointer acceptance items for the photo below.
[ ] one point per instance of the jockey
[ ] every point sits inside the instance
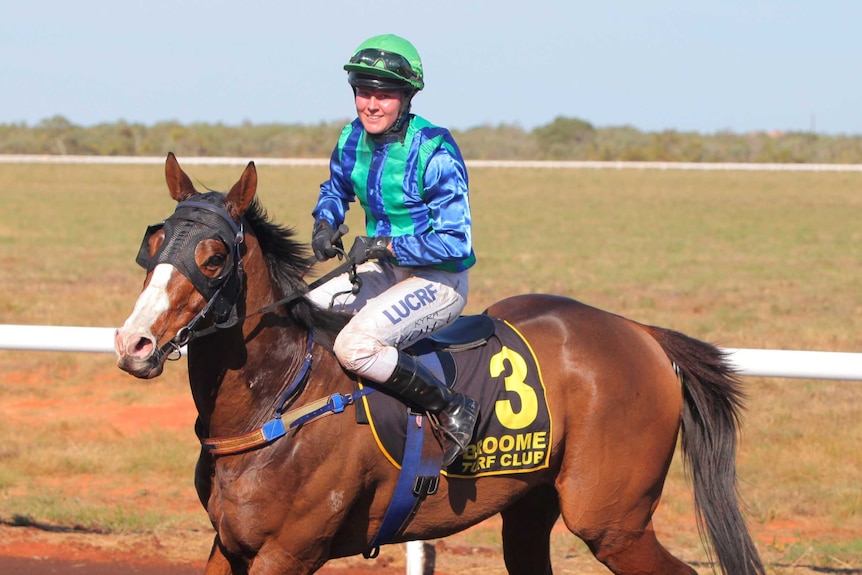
(411, 181)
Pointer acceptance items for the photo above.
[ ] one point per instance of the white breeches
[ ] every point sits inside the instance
(395, 307)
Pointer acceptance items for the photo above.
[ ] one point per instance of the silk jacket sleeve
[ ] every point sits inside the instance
(449, 236)
(336, 194)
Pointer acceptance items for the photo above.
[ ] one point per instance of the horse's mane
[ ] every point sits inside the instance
(289, 261)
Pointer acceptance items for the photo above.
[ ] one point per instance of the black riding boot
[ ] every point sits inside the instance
(456, 413)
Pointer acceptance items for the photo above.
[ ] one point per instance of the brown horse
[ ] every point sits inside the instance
(225, 279)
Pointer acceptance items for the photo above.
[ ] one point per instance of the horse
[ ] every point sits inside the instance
(228, 283)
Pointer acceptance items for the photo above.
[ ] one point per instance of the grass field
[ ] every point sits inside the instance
(752, 260)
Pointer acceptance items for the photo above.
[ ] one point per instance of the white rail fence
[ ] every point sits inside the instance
(749, 362)
(516, 164)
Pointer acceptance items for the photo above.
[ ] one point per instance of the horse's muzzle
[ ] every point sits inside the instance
(139, 356)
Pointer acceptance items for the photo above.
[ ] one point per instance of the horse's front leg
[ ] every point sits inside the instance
(275, 559)
(204, 469)
(218, 564)
(263, 532)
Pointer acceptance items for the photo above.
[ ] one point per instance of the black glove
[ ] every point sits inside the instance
(365, 248)
(321, 241)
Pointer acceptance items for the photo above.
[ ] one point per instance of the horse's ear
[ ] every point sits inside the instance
(242, 192)
(179, 184)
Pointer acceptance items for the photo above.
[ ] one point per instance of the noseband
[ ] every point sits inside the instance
(193, 221)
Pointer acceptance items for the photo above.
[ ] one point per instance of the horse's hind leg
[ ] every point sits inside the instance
(527, 528)
(615, 523)
(634, 553)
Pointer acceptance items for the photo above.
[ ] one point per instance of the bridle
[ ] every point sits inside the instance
(205, 217)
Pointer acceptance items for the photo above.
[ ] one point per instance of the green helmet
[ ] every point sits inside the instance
(385, 57)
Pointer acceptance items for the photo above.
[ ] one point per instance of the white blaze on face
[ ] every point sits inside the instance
(152, 302)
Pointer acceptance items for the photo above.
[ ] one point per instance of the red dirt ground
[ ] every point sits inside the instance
(31, 551)
(41, 551)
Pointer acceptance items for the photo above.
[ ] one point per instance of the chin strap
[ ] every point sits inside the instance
(398, 130)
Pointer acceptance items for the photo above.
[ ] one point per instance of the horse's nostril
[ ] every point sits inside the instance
(143, 347)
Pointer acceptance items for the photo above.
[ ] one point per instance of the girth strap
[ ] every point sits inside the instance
(418, 478)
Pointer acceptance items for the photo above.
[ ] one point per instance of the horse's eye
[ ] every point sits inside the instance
(215, 261)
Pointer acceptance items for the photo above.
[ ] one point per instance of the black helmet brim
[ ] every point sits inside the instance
(372, 82)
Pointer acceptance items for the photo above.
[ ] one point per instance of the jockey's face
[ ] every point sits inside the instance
(378, 109)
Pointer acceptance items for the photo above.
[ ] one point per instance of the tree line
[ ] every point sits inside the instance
(562, 139)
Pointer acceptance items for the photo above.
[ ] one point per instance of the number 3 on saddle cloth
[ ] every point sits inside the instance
(489, 360)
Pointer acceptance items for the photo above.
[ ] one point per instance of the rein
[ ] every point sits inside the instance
(279, 425)
(188, 333)
(171, 350)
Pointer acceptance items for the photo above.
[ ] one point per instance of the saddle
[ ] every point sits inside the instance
(489, 360)
(435, 351)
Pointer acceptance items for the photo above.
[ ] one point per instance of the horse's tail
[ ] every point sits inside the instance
(713, 402)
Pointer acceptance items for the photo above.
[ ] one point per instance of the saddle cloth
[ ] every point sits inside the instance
(513, 433)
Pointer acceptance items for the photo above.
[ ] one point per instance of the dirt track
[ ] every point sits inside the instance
(43, 551)
(31, 551)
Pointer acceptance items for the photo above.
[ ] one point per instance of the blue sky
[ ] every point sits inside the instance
(688, 65)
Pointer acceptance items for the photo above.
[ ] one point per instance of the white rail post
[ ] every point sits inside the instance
(415, 558)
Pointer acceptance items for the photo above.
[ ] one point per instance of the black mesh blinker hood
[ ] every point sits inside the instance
(193, 221)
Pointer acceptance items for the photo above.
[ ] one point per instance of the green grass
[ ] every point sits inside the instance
(83, 515)
(741, 259)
